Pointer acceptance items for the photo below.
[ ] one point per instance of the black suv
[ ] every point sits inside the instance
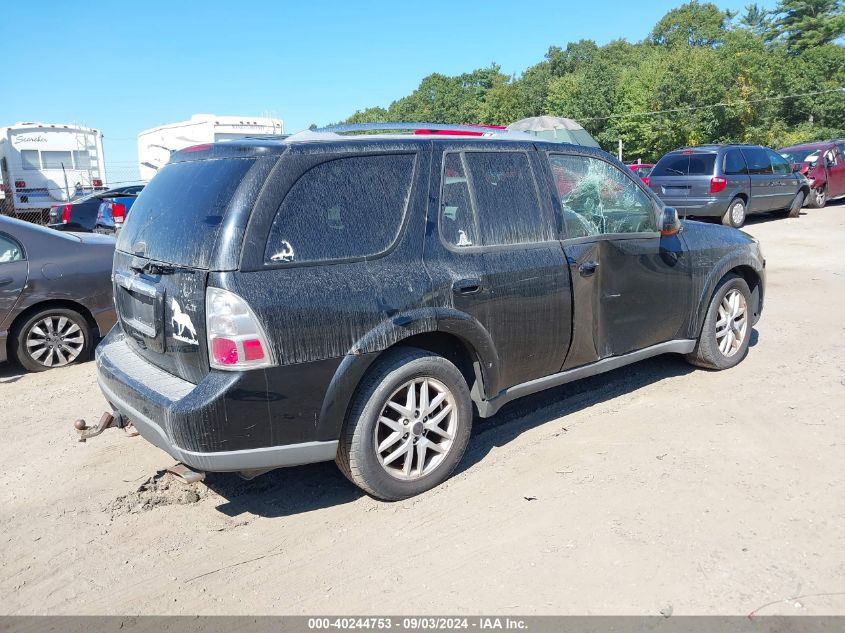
(358, 297)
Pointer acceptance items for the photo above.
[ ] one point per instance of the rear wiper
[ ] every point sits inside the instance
(154, 268)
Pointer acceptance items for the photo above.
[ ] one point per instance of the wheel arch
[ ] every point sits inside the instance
(470, 351)
(748, 270)
(51, 303)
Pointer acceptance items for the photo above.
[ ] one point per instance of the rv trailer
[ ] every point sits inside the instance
(157, 144)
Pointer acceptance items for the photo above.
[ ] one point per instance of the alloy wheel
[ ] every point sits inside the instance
(732, 325)
(821, 197)
(54, 341)
(416, 428)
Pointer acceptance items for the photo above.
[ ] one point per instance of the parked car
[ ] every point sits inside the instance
(55, 294)
(826, 176)
(642, 170)
(729, 182)
(81, 214)
(112, 213)
(356, 297)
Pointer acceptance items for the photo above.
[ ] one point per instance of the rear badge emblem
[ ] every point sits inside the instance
(181, 324)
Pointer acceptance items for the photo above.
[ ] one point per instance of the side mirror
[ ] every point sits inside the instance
(670, 222)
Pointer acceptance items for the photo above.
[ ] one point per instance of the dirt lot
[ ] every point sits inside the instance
(650, 488)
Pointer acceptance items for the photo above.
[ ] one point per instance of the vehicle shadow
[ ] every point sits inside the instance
(10, 372)
(301, 489)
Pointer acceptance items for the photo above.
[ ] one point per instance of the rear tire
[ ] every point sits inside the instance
(817, 198)
(735, 215)
(54, 337)
(725, 335)
(796, 206)
(378, 439)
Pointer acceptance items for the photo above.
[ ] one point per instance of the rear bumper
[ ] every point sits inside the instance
(191, 422)
(705, 207)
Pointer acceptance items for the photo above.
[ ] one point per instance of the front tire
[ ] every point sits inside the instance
(408, 427)
(735, 215)
(797, 204)
(54, 337)
(817, 198)
(725, 335)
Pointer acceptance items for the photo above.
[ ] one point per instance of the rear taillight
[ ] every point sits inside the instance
(118, 212)
(20, 184)
(98, 182)
(66, 214)
(235, 337)
(717, 184)
(646, 181)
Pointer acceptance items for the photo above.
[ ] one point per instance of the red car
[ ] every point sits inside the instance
(826, 176)
(642, 170)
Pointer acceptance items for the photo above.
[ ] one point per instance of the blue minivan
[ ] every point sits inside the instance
(728, 182)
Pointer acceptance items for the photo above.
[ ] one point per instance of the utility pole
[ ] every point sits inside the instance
(619, 151)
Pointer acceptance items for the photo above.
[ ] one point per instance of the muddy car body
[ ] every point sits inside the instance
(355, 298)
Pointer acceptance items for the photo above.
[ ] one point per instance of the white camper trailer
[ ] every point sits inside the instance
(156, 145)
(42, 164)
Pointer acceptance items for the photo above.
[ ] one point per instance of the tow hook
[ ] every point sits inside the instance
(107, 420)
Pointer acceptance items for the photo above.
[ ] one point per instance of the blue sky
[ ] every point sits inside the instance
(126, 66)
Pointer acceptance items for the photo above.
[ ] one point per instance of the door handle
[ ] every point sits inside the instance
(5, 281)
(467, 286)
(588, 268)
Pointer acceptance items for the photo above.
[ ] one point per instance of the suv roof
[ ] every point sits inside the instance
(361, 133)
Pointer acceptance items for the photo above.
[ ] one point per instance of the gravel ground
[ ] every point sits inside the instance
(650, 488)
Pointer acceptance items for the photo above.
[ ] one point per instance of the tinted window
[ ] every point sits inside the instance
(757, 160)
(178, 214)
(597, 198)
(345, 208)
(457, 219)
(685, 164)
(10, 250)
(29, 159)
(56, 160)
(734, 163)
(841, 148)
(507, 206)
(779, 164)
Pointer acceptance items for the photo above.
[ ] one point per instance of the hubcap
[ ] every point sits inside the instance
(738, 213)
(54, 341)
(732, 325)
(820, 196)
(416, 428)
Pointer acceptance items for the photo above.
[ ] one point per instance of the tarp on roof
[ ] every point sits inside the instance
(552, 128)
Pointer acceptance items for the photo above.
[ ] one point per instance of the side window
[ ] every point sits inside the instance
(757, 160)
(830, 157)
(597, 198)
(29, 159)
(506, 201)
(457, 220)
(10, 250)
(841, 148)
(490, 199)
(734, 163)
(779, 164)
(341, 209)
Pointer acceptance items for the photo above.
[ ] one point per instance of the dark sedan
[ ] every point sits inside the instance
(81, 214)
(55, 294)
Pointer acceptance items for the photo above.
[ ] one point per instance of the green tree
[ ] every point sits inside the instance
(692, 24)
(755, 19)
(804, 24)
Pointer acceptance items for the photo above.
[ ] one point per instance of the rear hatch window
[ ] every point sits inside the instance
(179, 213)
(160, 296)
(685, 164)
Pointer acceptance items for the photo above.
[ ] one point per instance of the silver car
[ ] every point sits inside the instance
(729, 182)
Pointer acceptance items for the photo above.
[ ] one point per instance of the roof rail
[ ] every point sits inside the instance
(405, 126)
